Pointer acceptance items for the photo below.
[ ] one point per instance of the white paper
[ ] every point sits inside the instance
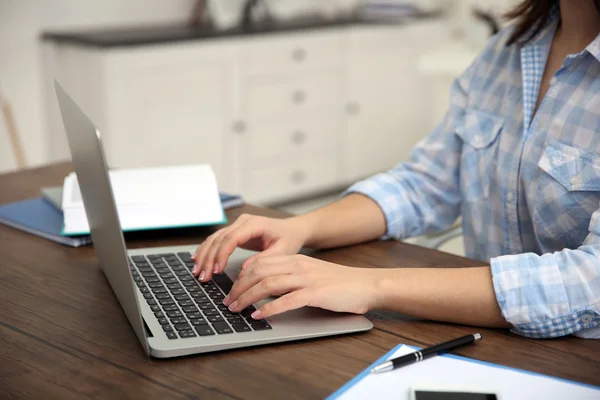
(151, 198)
(450, 372)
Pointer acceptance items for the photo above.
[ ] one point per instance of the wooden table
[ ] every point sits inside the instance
(63, 334)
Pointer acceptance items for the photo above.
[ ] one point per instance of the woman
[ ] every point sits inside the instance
(517, 155)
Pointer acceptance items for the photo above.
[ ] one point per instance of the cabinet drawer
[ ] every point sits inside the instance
(277, 98)
(283, 53)
(289, 179)
(287, 137)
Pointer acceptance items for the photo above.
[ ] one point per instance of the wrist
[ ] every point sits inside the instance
(385, 286)
(304, 226)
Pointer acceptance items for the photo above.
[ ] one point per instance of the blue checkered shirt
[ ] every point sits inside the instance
(527, 185)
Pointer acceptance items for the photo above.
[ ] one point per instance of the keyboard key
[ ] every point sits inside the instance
(194, 289)
(187, 278)
(241, 327)
(170, 307)
(173, 262)
(171, 335)
(209, 313)
(261, 326)
(153, 279)
(159, 290)
(151, 302)
(204, 330)
(247, 311)
(182, 327)
(199, 296)
(138, 259)
(161, 296)
(217, 298)
(176, 313)
(170, 280)
(155, 285)
(177, 291)
(181, 272)
(169, 256)
(198, 322)
(144, 289)
(163, 321)
(167, 328)
(190, 284)
(166, 302)
(222, 328)
(223, 307)
(138, 279)
(182, 296)
(215, 318)
(178, 320)
(159, 264)
(189, 309)
(223, 281)
(142, 264)
(187, 334)
(166, 275)
(194, 315)
(229, 314)
(145, 269)
(159, 314)
(185, 303)
(235, 320)
(147, 296)
(174, 286)
(189, 264)
(155, 308)
(185, 256)
(163, 270)
(206, 306)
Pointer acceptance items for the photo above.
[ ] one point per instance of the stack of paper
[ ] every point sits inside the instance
(152, 198)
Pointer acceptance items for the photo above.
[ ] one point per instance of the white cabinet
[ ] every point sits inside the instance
(278, 115)
(386, 105)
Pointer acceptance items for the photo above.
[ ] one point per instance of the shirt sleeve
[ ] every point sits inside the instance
(554, 294)
(423, 195)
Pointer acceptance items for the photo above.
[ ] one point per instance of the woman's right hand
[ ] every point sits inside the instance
(269, 236)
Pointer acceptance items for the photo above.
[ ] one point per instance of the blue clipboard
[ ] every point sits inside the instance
(386, 356)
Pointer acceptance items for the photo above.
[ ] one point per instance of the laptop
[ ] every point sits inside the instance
(170, 311)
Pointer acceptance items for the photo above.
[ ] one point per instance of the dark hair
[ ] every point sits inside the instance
(530, 17)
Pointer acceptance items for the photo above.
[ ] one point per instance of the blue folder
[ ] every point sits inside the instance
(39, 217)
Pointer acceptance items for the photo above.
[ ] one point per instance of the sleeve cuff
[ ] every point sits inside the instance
(394, 205)
(531, 295)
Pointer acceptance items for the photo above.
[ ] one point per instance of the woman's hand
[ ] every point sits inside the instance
(304, 281)
(270, 236)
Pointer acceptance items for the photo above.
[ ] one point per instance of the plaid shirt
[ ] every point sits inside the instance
(527, 185)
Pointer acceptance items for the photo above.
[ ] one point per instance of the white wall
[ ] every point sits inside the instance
(21, 22)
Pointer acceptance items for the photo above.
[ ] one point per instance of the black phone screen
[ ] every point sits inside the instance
(435, 395)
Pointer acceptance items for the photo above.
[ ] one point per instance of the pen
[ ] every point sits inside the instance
(427, 353)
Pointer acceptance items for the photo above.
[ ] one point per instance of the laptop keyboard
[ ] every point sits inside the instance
(185, 307)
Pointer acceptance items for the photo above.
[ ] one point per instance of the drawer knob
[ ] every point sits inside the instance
(299, 55)
(353, 108)
(298, 177)
(239, 127)
(298, 97)
(298, 137)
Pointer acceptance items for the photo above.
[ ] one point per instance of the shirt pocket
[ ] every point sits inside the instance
(568, 193)
(478, 133)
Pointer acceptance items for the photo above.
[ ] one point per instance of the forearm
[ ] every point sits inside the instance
(458, 295)
(353, 219)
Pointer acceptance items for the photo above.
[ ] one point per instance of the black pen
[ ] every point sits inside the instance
(427, 353)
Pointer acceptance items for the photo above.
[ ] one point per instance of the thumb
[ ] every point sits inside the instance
(275, 250)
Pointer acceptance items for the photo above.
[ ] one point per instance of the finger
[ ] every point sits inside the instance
(201, 253)
(205, 266)
(290, 301)
(235, 238)
(270, 286)
(275, 250)
(268, 267)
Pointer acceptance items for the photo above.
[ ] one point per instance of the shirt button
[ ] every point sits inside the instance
(509, 196)
(553, 81)
(586, 319)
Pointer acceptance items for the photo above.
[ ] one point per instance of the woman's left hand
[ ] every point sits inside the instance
(303, 281)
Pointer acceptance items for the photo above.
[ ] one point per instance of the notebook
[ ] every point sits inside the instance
(456, 372)
(40, 218)
(53, 194)
(152, 198)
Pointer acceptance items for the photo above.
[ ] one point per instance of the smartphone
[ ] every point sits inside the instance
(451, 393)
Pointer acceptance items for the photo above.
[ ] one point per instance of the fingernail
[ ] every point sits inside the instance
(233, 306)
(226, 300)
(216, 268)
(195, 269)
(202, 274)
(255, 314)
